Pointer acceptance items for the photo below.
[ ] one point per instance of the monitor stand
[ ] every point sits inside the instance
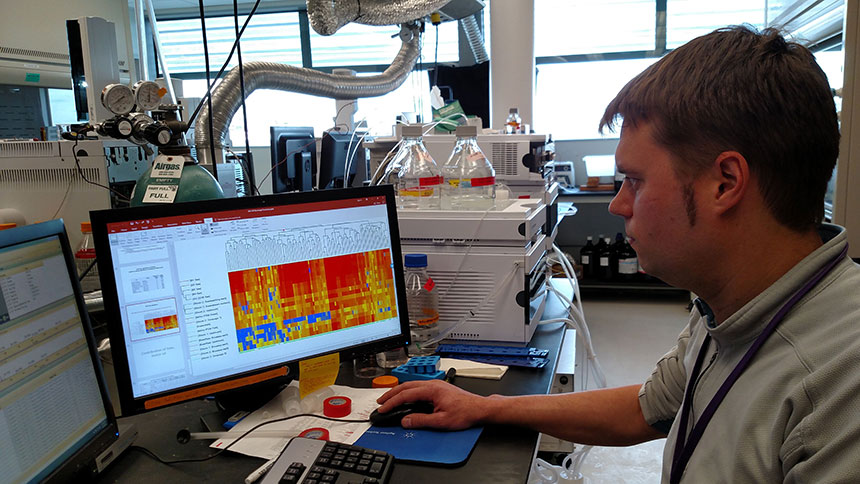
(127, 434)
(245, 399)
(251, 397)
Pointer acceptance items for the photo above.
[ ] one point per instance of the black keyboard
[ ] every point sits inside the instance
(311, 461)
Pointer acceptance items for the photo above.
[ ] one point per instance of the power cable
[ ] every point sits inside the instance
(241, 87)
(81, 173)
(226, 62)
(245, 434)
(208, 83)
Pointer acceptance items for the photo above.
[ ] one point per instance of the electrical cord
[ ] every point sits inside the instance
(224, 66)
(350, 152)
(466, 254)
(571, 467)
(338, 114)
(436, 59)
(241, 85)
(574, 461)
(244, 434)
(472, 312)
(65, 196)
(84, 177)
(355, 152)
(241, 162)
(87, 270)
(284, 160)
(386, 160)
(209, 83)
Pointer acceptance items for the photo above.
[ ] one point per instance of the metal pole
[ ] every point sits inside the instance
(159, 50)
(141, 41)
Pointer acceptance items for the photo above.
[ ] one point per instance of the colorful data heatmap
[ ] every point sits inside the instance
(161, 324)
(276, 304)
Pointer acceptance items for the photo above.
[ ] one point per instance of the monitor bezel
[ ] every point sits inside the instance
(328, 166)
(82, 461)
(280, 167)
(100, 219)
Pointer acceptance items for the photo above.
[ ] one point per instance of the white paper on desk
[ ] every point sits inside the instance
(363, 403)
(473, 369)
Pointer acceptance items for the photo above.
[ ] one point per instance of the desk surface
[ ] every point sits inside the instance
(502, 454)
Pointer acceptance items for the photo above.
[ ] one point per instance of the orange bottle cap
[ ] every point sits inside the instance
(385, 381)
(86, 227)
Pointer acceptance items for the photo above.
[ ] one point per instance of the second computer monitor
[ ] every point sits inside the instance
(55, 413)
(294, 158)
(339, 152)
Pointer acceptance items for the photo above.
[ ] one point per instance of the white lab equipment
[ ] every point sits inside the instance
(489, 267)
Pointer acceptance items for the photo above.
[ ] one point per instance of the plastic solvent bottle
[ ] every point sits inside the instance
(422, 304)
(514, 124)
(85, 255)
(470, 181)
(418, 182)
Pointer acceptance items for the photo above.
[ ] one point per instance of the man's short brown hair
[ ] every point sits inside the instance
(736, 89)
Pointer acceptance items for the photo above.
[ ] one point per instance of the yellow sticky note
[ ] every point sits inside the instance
(316, 373)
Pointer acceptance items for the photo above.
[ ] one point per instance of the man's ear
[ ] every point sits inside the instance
(730, 180)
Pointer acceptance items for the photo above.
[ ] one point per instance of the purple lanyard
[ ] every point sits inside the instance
(684, 447)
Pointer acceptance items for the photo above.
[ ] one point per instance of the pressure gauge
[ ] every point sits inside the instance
(148, 95)
(118, 98)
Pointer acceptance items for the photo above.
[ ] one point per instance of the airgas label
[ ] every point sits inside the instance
(160, 194)
(167, 169)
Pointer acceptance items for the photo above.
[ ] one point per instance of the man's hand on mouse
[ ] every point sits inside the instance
(454, 408)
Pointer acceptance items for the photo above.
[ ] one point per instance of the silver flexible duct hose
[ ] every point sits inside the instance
(476, 39)
(227, 97)
(327, 16)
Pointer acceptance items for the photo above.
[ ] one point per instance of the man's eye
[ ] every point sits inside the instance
(634, 182)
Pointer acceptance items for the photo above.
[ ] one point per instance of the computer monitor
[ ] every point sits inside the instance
(55, 414)
(336, 149)
(294, 158)
(216, 295)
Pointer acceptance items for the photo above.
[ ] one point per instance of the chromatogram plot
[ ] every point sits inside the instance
(280, 303)
(305, 243)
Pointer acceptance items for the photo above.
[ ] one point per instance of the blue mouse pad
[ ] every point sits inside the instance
(423, 446)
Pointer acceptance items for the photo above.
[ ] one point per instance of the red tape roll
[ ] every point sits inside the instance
(337, 407)
(315, 433)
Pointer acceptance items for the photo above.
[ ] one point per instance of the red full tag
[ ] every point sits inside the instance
(429, 181)
(429, 285)
(482, 182)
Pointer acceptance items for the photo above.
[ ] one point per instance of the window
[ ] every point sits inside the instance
(687, 19)
(277, 37)
(360, 45)
(831, 63)
(272, 108)
(587, 50)
(62, 105)
(564, 27)
(570, 98)
(271, 37)
(280, 108)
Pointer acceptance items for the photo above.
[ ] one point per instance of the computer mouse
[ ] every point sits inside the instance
(396, 414)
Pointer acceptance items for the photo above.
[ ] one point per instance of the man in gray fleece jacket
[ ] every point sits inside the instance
(727, 145)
